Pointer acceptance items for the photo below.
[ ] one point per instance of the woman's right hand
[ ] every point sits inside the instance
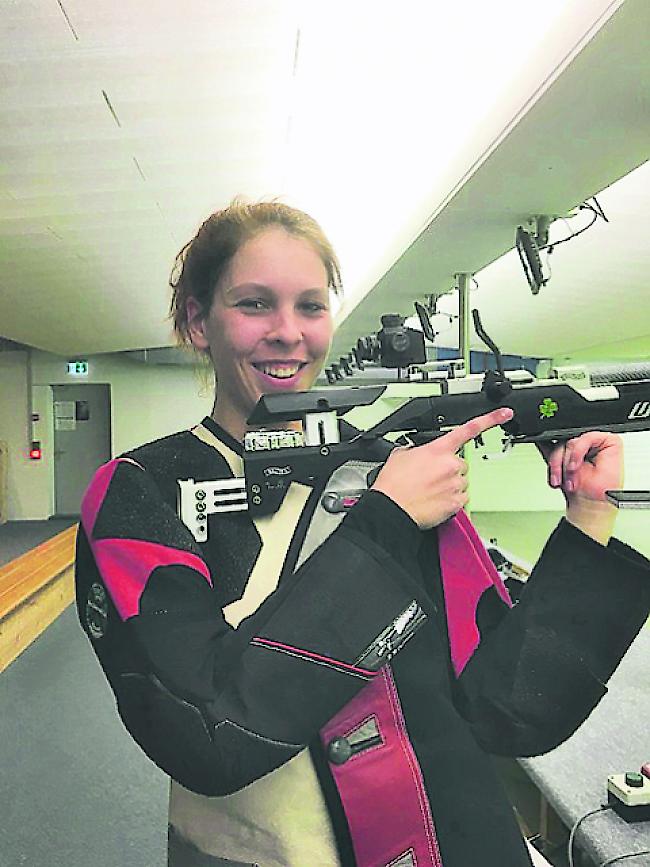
(429, 482)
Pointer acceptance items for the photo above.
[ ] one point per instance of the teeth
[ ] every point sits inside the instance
(278, 372)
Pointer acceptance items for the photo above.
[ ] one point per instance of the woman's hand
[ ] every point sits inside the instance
(584, 468)
(429, 482)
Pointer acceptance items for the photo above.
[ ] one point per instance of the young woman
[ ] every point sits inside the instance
(325, 690)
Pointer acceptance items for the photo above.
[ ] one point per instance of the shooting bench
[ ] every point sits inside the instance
(34, 590)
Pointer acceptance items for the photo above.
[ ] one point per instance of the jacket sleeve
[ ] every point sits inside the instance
(541, 667)
(217, 707)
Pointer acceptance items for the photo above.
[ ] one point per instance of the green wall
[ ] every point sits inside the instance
(524, 533)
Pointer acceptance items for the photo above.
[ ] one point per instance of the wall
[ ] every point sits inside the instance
(147, 402)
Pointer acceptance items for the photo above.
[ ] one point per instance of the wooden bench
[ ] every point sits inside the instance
(34, 589)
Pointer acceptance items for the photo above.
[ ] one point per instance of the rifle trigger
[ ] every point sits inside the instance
(508, 442)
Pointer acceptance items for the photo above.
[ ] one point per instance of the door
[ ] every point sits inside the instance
(82, 441)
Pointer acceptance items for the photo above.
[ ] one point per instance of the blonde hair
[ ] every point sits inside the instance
(201, 263)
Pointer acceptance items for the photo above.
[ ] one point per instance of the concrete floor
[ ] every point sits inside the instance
(75, 791)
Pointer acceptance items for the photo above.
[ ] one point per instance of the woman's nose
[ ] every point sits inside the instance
(285, 328)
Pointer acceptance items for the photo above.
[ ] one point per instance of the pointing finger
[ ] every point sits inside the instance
(467, 432)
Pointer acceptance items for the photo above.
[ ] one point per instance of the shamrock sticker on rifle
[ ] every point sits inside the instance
(548, 408)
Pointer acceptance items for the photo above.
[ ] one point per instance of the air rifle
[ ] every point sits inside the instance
(546, 411)
(549, 410)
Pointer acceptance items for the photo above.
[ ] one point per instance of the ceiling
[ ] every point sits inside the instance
(590, 127)
(418, 140)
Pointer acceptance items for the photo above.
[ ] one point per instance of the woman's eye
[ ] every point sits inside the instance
(314, 307)
(252, 304)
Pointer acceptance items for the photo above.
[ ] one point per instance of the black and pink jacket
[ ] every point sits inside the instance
(393, 655)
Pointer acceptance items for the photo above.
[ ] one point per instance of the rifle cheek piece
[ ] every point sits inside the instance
(496, 386)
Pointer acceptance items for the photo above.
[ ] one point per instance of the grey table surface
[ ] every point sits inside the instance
(614, 739)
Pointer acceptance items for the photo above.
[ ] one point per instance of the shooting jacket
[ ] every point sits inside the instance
(324, 689)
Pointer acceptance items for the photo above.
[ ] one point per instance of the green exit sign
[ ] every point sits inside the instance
(78, 368)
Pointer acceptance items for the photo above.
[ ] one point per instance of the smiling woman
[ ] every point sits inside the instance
(252, 291)
(268, 327)
(323, 689)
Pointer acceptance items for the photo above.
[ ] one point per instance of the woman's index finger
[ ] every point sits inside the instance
(465, 433)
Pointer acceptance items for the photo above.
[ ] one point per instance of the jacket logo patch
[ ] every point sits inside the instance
(96, 614)
(393, 638)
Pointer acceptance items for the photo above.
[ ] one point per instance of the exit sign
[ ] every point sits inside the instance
(78, 368)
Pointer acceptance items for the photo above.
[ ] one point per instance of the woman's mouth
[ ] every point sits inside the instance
(277, 373)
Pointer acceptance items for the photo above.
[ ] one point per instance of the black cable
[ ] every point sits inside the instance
(552, 246)
(585, 206)
(600, 210)
(577, 825)
(595, 209)
(623, 857)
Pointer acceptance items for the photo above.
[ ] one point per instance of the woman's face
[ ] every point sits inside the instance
(269, 327)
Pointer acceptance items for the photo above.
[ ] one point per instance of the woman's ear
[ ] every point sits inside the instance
(196, 324)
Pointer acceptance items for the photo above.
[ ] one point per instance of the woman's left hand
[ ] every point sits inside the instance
(584, 468)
